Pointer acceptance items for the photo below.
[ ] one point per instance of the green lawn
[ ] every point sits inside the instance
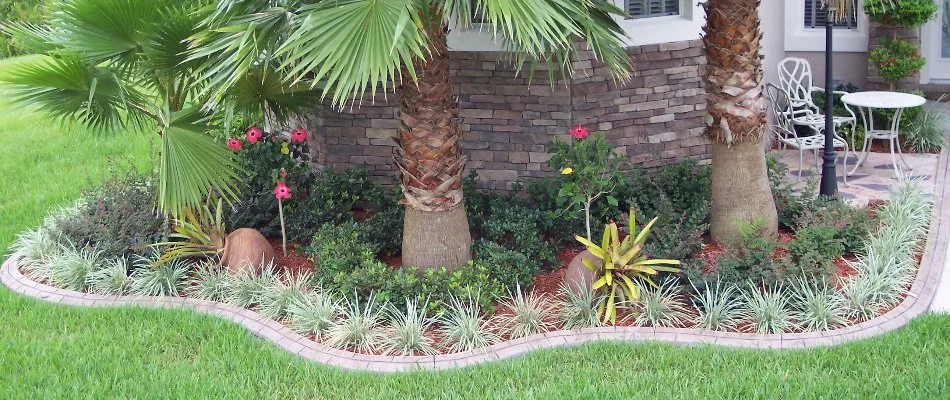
(51, 351)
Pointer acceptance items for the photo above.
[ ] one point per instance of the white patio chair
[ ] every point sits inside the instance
(795, 79)
(783, 127)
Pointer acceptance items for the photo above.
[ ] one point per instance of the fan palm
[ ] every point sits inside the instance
(116, 65)
(356, 48)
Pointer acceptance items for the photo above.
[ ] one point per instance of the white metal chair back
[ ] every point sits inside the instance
(781, 108)
(795, 78)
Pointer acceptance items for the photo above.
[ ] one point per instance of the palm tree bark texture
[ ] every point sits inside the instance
(736, 123)
(430, 160)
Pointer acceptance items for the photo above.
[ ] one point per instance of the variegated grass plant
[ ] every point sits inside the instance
(578, 309)
(720, 306)
(314, 313)
(464, 328)
(359, 325)
(767, 310)
(661, 306)
(407, 333)
(528, 314)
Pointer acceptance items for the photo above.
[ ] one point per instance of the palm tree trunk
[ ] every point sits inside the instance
(736, 120)
(430, 160)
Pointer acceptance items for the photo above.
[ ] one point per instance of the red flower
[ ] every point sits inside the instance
(282, 191)
(299, 135)
(234, 144)
(579, 132)
(254, 134)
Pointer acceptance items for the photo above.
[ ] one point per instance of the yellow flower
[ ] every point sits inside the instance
(567, 171)
(284, 149)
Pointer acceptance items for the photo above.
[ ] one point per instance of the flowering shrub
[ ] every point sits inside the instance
(897, 59)
(590, 169)
(271, 162)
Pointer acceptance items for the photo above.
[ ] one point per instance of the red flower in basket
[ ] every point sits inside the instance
(282, 191)
(254, 134)
(299, 135)
(579, 132)
(234, 144)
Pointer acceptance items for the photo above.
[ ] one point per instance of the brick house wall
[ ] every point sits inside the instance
(655, 119)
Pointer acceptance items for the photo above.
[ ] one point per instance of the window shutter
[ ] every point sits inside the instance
(816, 17)
(652, 8)
(635, 8)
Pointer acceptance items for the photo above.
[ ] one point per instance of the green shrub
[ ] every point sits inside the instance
(851, 225)
(29, 11)
(810, 255)
(520, 229)
(905, 13)
(896, 59)
(512, 268)
(747, 259)
(679, 233)
(790, 205)
(332, 198)
(339, 248)
(117, 217)
(384, 230)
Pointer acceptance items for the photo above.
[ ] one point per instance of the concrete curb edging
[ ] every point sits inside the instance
(917, 302)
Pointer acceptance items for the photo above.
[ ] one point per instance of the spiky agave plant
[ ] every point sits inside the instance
(623, 265)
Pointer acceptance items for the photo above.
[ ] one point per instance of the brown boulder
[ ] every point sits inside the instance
(246, 248)
(577, 274)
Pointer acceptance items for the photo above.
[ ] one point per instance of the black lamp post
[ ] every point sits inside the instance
(829, 178)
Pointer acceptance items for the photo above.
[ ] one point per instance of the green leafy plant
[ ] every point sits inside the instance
(209, 282)
(117, 217)
(851, 225)
(339, 248)
(168, 279)
(71, 269)
(767, 311)
(590, 169)
(314, 313)
(817, 307)
(661, 306)
(331, 197)
(407, 334)
(750, 257)
(464, 328)
(810, 254)
(111, 278)
(384, 230)
(904, 13)
(528, 313)
(38, 246)
(896, 60)
(511, 268)
(926, 133)
(578, 308)
(622, 266)
(199, 236)
(720, 307)
(246, 288)
(519, 228)
(277, 298)
(359, 325)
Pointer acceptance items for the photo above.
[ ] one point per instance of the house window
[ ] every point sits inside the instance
(816, 16)
(653, 8)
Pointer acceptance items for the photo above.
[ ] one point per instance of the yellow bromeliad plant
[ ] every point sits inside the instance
(622, 266)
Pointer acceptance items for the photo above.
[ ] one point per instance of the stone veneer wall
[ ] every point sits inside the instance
(655, 119)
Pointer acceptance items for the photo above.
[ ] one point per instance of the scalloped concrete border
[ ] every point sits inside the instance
(917, 302)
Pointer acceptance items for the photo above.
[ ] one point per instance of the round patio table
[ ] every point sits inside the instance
(866, 103)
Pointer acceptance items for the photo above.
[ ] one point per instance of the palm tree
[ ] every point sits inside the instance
(352, 48)
(118, 65)
(736, 120)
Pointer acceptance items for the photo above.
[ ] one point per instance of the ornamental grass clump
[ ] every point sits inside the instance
(313, 314)
(817, 306)
(464, 328)
(112, 278)
(767, 311)
(406, 334)
(276, 298)
(209, 282)
(38, 246)
(578, 309)
(72, 267)
(246, 288)
(661, 306)
(359, 325)
(168, 279)
(528, 314)
(720, 306)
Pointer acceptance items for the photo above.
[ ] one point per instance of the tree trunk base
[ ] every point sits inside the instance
(433, 239)
(741, 194)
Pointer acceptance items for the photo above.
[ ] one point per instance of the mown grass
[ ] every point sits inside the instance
(49, 351)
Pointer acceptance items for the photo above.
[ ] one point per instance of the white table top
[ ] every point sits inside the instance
(883, 99)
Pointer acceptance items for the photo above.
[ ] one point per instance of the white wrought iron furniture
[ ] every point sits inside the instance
(866, 102)
(795, 79)
(784, 116)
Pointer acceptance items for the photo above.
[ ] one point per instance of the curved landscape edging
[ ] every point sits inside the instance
(917, 302)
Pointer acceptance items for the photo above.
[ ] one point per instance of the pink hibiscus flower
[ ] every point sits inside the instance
(299, 135)
(234, 144)
(579, 132)
(254, 134)
(282, 191)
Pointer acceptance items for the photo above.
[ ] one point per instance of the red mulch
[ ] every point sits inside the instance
(549, 282)
(295, 261)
